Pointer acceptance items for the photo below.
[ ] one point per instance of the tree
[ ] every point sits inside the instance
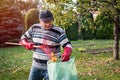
(104, 27)
(26, 5)
(87, 29)
(31, 18)
(11, 21)
(105, 6)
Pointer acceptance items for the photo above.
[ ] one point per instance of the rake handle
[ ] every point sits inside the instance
(53, 58)
(11, 43)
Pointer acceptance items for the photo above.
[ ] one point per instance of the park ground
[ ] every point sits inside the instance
(93, 58)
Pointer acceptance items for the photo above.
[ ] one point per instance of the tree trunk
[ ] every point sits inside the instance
(116, 38)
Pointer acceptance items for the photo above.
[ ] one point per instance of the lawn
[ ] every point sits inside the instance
(94, 61)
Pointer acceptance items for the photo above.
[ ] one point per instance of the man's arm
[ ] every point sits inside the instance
(65, 43)
(24, 40)
(28, 45)
(67, 53)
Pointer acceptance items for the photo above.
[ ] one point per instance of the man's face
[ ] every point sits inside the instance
(46, 24)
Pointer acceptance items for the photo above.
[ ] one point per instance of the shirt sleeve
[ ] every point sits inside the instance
(27, 34)
(64, 41)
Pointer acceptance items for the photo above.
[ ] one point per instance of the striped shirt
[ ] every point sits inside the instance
(54, 38)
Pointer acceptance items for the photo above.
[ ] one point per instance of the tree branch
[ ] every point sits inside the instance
(106, 2)
(109, 16)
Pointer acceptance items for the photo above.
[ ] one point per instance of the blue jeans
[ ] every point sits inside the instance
(38, 74)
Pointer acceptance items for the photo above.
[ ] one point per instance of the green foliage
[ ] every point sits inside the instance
(104, 27)
(87, 34)
(87, 27)
(105, 32)
(101, 28)
(104, 6)
(109, 8)
(87, 21)
(72, 32)
(31, 17)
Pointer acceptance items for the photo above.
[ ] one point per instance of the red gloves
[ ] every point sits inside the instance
(26, 44)
(66, 54)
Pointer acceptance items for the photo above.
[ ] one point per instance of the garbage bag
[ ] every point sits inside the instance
(62, 70)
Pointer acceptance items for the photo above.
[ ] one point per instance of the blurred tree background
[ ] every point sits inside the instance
(12, 15)
(110, 12)
(81, 19)
(31, 18)
(11, 21)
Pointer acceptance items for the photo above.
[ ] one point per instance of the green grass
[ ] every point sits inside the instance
(15, 62)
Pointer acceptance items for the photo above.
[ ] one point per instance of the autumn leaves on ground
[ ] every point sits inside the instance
(94, 61)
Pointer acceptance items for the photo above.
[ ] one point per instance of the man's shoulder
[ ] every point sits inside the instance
(57, 28)
(37, 25)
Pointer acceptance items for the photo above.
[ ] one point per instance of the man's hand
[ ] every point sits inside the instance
(66, 54)
(26, 44)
